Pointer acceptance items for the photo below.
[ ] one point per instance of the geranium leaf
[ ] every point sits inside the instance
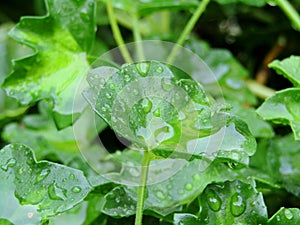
(231, 203)
(285, 216)
(60, 40)
(36, 190)
(288, 68)
(283, 108)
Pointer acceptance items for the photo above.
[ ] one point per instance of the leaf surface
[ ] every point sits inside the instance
(36, 190)
(60, 40)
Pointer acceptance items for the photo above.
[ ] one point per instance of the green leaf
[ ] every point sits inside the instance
(39, 132)
(283, 162)
(285, 216)
(283, 108)
(144, 7)
(258, 3)
(60, 40)
(36, 190)
(289, 68)
(185, 219)
(166, 196)
(257, 126)
(150, 116)
(9, 49)
(232, 203)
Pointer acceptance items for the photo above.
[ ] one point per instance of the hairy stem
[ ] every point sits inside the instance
(187, 30)
(260, 90)
(117, 33)
(290, 11)
(138, 38)
(142, 188)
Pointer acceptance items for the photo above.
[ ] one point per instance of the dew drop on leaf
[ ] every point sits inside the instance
(143, 68)
(56, 193)
(160, 195)
(146, 105)
(76, 189)
(159, 69)
(42, 175)
(196, 177)
(188, 187)
(213, 200)
(288, 214)
(237, 205)
(9, 164)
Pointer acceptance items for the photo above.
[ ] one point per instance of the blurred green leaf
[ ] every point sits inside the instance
(258, 3)
(283, 108)
(289, 68)
(36, 190)
(232, 203)
(60, 40)
(185, 219)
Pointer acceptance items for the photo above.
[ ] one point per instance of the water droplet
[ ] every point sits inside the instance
(103, 109)
(134, 172)
(213, 200)
(56, 193)
(278, 218)
(188, 187)
(157, 112)
(108, 95)
(84, 15)
(9, 164)
(42, 175)
(196, 177)
(169, 187)
(160, 195)
(72, 176)
(147, 105)
(143, 68)
(167, 84)
(135, 92)
(159, 69)
(112, 86)
(76, 189)
(288, 214)
(237, 205)
(127, 78)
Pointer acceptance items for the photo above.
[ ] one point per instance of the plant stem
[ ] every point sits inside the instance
(290, 11)
(188, 28)
(260, 90)
(138, 38)
(117, 33)
(142, 188)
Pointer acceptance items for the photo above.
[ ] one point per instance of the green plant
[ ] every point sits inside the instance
(200, 152)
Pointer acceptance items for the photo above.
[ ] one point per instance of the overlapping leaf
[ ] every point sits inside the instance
(36, 190)
(283, 108)
(285, 216)
(289, 68)
(61, 40)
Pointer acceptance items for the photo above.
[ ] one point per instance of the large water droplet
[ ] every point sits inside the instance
(9, 164)
(213, 200)
(76, 189)
(189, 187)
(42, 175)
(56, 193)
(147, 105)
(288, 214)
(237, 205)
(143, 68)
(196, 177)
(159, 69)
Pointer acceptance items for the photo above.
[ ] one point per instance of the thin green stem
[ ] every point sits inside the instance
(260, 90)
(187, 30)
(142, 188)
(138, 38)
(117, 33)
(290, 11)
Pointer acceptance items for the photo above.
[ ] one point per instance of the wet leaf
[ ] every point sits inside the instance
(283, 108)
(185, 219)
(232, 203)
(285, 216)
(60, 41)
(289, 68)
(144, 7)
(36, 190)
